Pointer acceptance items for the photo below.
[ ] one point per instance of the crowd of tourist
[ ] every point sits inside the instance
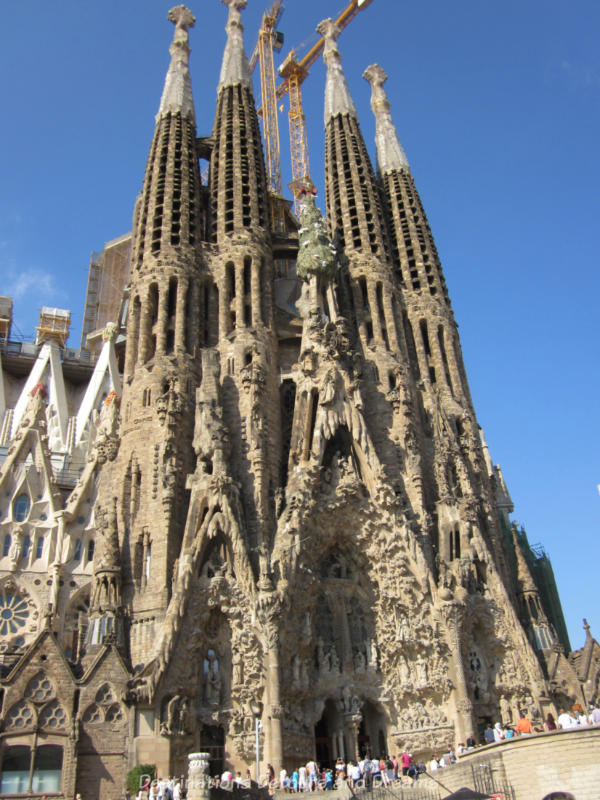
(161, 789)
(524, 727)
(368, 772)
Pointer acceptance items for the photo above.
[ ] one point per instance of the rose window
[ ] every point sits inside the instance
(20, 716)
(53, 716)
(39, 688)
(14, 613)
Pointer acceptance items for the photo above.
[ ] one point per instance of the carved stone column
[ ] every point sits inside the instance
(274, 742)
(180, 309)
(198, 777)
(352, 726)
(453, 614)
(160, 328)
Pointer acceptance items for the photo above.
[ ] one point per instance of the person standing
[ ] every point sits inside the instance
(565, 720)
(311, 769)
(523, 726)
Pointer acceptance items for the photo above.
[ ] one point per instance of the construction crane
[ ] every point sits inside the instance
(294, 73)
(268, 40)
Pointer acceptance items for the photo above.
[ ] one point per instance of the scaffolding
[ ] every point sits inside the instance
(53, 326)
(107, 278)
(6, 307)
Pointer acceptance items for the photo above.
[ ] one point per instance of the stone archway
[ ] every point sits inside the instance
(329, 735)
(372, 732)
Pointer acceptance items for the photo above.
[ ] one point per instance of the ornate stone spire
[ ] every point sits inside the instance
(390, 154)
(337, 94)
(177, 93)
(235, 68)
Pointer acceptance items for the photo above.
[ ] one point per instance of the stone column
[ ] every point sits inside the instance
(374, 306)
(133, 332)
(352, 726)
(145, 331)
(198, 777)
(180, 309)
(274, 744)
(390, 321)
(453, 614)
(239, 295)
(255, 292)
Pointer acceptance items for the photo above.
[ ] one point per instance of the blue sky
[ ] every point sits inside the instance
(498, 109)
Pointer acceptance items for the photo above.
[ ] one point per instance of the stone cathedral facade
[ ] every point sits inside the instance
(255, 504)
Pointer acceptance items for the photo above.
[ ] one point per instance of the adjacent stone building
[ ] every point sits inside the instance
(266, 497)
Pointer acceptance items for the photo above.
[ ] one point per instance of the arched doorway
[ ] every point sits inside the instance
(329, 736)
(372, 733)
(212, 741)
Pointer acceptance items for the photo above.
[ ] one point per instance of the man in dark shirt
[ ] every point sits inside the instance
(488, 734)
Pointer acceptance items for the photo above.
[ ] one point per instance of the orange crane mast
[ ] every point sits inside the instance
(294, 73)
(268, 40)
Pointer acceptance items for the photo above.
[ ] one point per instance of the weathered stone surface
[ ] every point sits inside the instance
(291, 521)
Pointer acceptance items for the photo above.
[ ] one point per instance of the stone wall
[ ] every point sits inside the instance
(532, 766)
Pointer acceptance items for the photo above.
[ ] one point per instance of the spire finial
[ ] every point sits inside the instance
(177, 94)
(337, 94)
(235, 68)
(390, 155)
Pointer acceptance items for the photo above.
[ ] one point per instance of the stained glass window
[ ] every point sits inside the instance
(21, 507)
(14, 613)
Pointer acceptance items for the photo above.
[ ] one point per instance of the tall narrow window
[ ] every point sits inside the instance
(90, 550)
(77, 550)
(26, 547)
(171, 310)
(21, 507)
(314, 404)
(6, 545)
(381, 312)
(247, 291)
(425, 336)
(39, 547)
(444, 356)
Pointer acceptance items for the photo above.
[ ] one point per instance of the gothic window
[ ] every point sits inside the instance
(14, 613)
(53, 716)
(20, 716)
(26, 547)
(90, 550)
(105, 694)
(212, 678)
(77, 550)
(21, 507)
(357, 624)
(147, 561)
(454, 544)
(324, 620)
(39, 547)
(114, 713)
(287, 394)
(93, 715)
(39, 689)
(6, 545)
